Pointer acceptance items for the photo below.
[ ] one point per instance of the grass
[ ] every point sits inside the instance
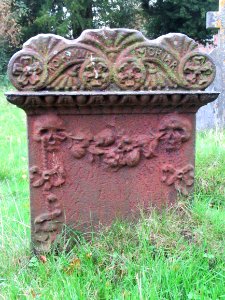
(176, 254)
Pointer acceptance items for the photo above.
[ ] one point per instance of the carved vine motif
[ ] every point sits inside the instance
(181, 178)
(110, 59)
(115, 150)
(49, 131)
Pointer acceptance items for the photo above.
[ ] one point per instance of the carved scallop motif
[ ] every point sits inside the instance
(110, 59)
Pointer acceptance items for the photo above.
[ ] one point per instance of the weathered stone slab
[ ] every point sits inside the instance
(213, 116)
(111, 124)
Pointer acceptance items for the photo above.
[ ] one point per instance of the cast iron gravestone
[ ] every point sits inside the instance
(111, 124)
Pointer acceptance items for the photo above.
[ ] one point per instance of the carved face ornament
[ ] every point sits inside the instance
(173, 132)
(49, 130)
(130, 73)
(95, 74)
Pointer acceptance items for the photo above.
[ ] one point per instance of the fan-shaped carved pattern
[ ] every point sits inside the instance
(110, 59)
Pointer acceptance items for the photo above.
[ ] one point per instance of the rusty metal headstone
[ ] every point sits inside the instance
(111, 124)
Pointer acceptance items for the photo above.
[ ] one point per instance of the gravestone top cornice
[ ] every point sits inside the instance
(107, 102)
(111, 60)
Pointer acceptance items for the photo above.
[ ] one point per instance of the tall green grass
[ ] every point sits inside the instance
(176, 254)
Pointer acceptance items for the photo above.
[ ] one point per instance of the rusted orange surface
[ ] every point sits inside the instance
(111, 125)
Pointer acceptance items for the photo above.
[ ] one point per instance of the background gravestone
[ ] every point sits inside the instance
(111, 124)
(213, 115)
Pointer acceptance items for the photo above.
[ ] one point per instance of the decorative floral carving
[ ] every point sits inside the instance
(47, 224)
(181, 178)
(27, 70)
(198, 70)
(125, 153)
(115, 150)
(49, 131)
(47, 178)
(174, 131)
(110, 58)
(130, 74)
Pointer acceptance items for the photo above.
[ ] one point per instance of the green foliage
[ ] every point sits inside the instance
(80, 13)
(5, 54)
(176, 254)
(11, 12)
(117, 13)
(43, 17)
(189, 17)
(70, 18)
(67, 18)
(3, 57)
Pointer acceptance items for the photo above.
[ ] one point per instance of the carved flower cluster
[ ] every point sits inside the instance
(197, 70)
(115, 150)
(47, 223)
(47, 178)
(181, 178)
(27, 70)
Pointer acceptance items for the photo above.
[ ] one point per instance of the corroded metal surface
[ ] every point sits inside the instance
(109, 102)
(110, 59)
(89, 170)
(120, 140)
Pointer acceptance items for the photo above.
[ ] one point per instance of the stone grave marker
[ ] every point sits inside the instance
(213, 115)
(111, 124)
